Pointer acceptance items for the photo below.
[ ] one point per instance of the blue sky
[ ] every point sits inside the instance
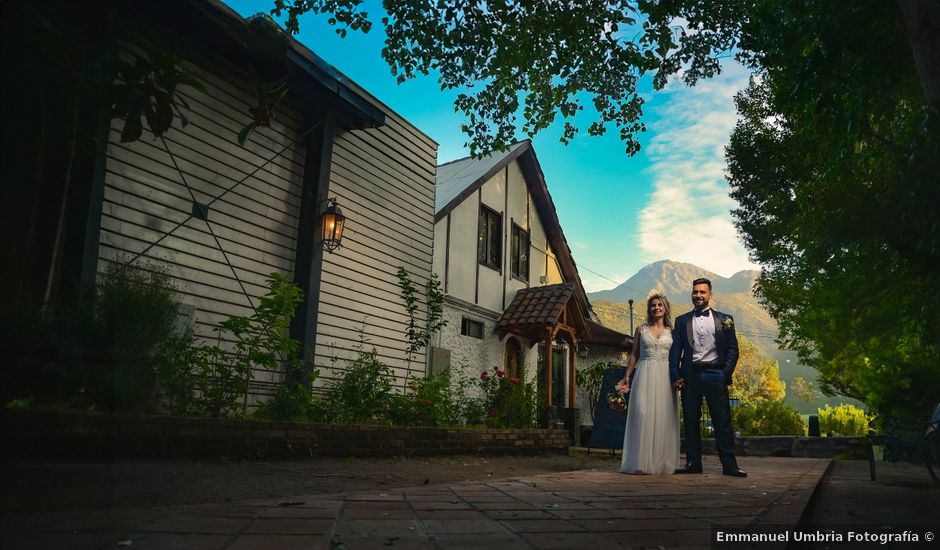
(619, 213)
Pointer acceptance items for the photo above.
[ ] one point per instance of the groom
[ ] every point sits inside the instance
(701, 361)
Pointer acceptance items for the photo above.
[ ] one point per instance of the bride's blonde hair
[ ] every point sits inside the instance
(667, 310)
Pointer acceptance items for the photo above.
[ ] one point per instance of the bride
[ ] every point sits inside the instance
(651, 440)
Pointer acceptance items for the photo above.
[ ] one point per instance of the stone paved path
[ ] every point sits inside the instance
(582, 509)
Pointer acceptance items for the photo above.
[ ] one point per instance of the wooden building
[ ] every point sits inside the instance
(219, 217)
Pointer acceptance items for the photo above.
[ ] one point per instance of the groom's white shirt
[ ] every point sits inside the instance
(704, 349)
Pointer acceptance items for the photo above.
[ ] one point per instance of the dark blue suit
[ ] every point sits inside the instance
(708, 383)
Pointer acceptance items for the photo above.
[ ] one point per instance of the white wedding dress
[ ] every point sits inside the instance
(651, 440)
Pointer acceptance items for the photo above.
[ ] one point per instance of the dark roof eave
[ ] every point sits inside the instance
(258, 30)
(324, 74)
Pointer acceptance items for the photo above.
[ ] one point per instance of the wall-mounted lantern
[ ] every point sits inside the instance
(583, 350)
(332, 222)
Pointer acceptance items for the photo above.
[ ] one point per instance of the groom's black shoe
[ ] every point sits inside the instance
(690, 469)
(736, 472)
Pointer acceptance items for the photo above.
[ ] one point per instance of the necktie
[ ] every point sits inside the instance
(703, 313)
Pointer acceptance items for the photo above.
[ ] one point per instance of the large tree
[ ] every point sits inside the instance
(835, 162)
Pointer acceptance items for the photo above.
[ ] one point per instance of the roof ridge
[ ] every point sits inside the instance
(469, 157)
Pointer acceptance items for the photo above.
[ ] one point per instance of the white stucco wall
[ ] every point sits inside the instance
(471, 356)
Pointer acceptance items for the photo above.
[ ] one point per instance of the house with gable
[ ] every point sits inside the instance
(513, 296)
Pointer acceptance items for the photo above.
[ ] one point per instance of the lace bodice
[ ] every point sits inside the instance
(653, 348)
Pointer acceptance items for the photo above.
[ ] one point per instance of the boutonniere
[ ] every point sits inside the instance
(727, 323)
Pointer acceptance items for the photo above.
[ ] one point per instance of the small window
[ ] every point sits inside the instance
(519, 258)
(471, 328)
(489, 249)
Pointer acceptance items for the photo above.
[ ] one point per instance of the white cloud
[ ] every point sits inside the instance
(687, 218)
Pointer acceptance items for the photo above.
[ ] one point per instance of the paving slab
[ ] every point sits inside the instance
(560, 510)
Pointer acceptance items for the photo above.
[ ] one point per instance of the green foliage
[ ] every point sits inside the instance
(431, 401)
(420, 336)
(767, 417)
(843, 420)
(757, 377)
(293, 402)
(589, 380)
(361, 395)
(508, 401)
(212, 379)
(145, 89)
(269, 97)
(103, 354)
(802, 389)
(542, 58)
(835, 175)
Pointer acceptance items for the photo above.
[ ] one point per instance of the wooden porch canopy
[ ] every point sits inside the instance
(540, 314)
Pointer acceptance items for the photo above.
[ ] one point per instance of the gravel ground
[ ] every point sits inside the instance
(53, 486)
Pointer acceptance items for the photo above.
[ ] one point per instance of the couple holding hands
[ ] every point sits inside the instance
(697, 355)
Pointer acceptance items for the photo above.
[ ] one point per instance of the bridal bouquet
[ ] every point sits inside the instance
(616, 402)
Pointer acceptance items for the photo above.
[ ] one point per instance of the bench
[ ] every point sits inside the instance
(909, 441)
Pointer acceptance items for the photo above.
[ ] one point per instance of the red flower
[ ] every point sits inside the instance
(500, 373)
(429, 402)
(484, 375)
(491, 414)
(515, 380)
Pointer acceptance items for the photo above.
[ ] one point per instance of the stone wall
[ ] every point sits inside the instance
(786, 445)
(76, 436)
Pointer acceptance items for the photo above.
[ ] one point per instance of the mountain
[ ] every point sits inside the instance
(675, 280)
(732, 295)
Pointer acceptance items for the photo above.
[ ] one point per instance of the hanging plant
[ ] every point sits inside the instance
(263, 114)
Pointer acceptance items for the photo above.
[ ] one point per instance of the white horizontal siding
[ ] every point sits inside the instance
(383, 179)
(220, 268)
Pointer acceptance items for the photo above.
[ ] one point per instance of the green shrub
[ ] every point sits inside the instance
(105, 353)
(430, 401)
(293, 401)
(764, 417)
(843, 420)
(508, 401)
(212, 380)
(361, 395)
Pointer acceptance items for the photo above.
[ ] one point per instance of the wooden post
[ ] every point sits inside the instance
(548, 367)
(572, 371)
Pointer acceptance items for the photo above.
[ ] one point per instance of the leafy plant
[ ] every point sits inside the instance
(361, 395)
(768, 417)
(420, 336)
(210, 380)
(844, 420)
(105, 353)
(264, 112)
(589, 380)
(429, 401)
(293, 401)
(508, 401)
(146, 90)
